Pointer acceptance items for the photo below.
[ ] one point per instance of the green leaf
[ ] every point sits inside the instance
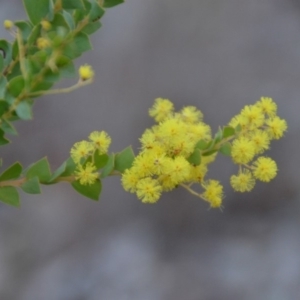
(25, 28)
(34, 35)
(225, 149)
(39, 169)
(31, 186)
(9, 195)
(238, 128)
(111, 3)
(69, 20)
(3, 107)
(16, 85)
(59, 21)
(90, 191)
(96, 12)
(228, 131)
(8, 128)
(7, 55)
(72, 4)
(92, 27)
(1, 62)
(108, 168)
(37, 10)
(66, 169)
(201, 145)
(78, 45)
(100, 160)
(195, 158)
(124, 159)
(218, 136)
(3, 140)
(210, 152)
(12, 172)
(24, 110)
(66, 67)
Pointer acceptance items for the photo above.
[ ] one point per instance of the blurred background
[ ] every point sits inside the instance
(217, 55)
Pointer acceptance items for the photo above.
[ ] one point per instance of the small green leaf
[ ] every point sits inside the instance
(238, 128)
(31, 186)
(225, 149)
(201, 145)
(77, 46)
(108, 168)
(25, 28)
(90, 191)
(59, 21)
(100, 160)
(195, 158)
(3, 140)
(92, 27)
(69, 19)
(3, 107)
(8, 128)
(218, 136)
(72, 4)
(96, 12)
(66, 169)
(16, 85)
(7, 55)
(210, 152)
(12, 172)
(34, 35)
(66, 67)
(24, 110)
(9, 195)
(39, 169)
(124, 159)
(228, 131)
(37, 10)
(111, 3)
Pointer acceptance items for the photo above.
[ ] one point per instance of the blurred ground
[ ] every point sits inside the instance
(217, 55)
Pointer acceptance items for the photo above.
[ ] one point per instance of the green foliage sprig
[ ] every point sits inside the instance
(174, 153)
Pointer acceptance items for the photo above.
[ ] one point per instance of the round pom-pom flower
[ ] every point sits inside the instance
(161, 109)
(86, 72)
(148, 190)
(43, 43)
(267, 105)
(277, 127)
(81, 150)
(8, 24)
(243, 182)
(265, 169)
(101, 141)
(242, 150)
(213, 193)
(86, 175)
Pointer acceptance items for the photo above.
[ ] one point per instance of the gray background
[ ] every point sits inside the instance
(217, 55)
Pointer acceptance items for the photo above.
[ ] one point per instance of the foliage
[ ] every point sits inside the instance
(175, 152)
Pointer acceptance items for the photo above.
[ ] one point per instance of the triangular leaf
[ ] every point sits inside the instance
(195, 158)
(24, 110)
(90, 191)
(111, 3)
(31, 186)
(9, 195)
(37, 10)
(124, 159)
(228, 131)
(108, 168)
(225, 149)
(12, 172)
(39, 169)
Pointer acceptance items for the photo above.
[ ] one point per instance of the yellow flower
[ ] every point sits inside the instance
(260, 140)
(213, 193)
(191, 114)
(253, 116)
(265, 169)
(267, 105)
(86, 175)
(81, 150)
(161, 109)
(46, 25)
(276, 127)
(130, 179)
(86, 72)
(43, 43)
(242, 150)
(148, 190)
(243, 182)
(8, 24)
(101, 141)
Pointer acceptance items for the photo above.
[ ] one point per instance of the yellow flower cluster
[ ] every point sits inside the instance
(86, 172)
(162, 163)
(259, 124)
